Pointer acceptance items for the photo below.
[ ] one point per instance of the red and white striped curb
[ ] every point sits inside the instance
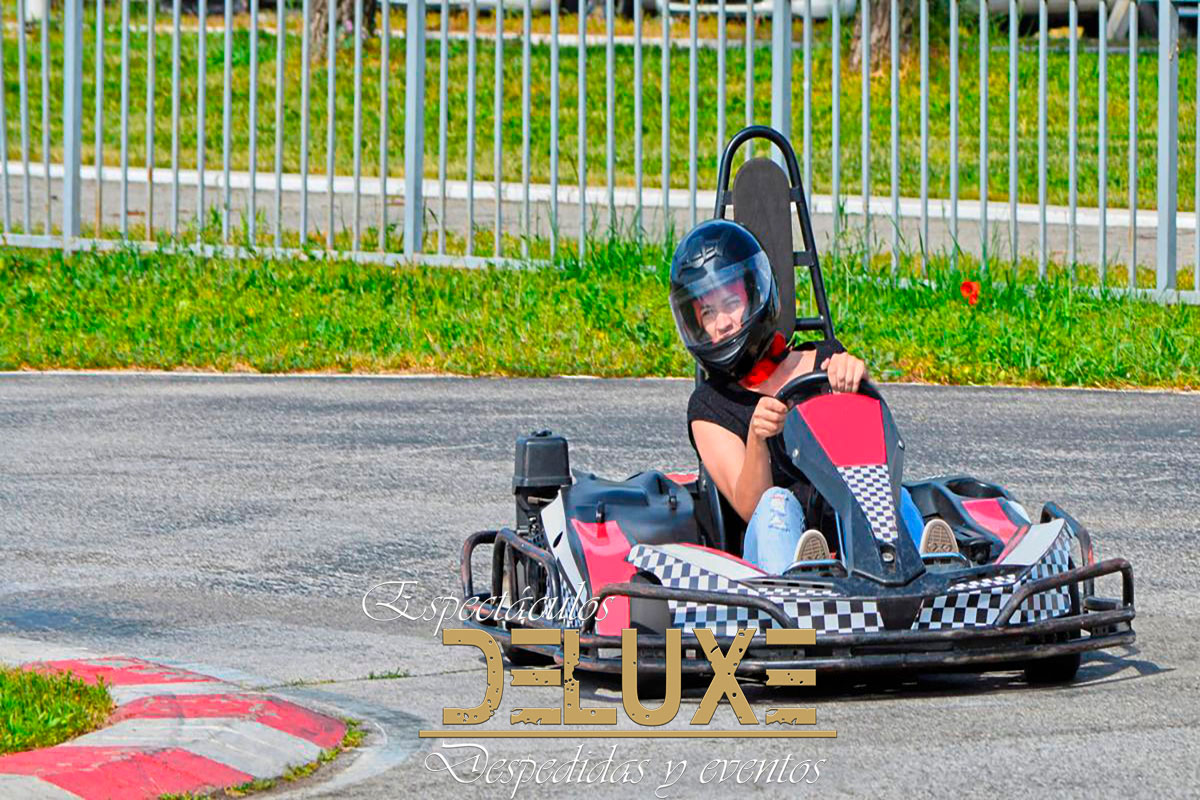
(174, 731)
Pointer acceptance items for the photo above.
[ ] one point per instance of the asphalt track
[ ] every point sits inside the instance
(236, 523)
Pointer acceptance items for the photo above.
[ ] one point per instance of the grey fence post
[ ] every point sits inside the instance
(781, 68)
(414, 125)
(72, 117)
(1168, 141)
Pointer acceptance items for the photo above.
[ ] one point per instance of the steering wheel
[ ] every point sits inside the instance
(797, 391)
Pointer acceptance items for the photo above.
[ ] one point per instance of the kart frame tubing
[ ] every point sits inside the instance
(998, 643)
(507, 538)
(1001, 653)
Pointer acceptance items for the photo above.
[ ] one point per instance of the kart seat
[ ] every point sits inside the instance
(721, 526)
(762, 202)
(763, 196)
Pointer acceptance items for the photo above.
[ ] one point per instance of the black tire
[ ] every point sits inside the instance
(651, 687)
(520, 657)
(1056, 669)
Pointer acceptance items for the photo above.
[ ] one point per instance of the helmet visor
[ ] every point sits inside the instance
(713, 305)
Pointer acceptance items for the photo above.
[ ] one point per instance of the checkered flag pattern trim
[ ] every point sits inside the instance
(994, 582)
(1056, 602)
(721, 620)
(871, 485)
(823, 616)
(978, 602)
(810, 607)
(569, 612)
(962, 610)
(835, 616)
(678, 573)
(783, 593)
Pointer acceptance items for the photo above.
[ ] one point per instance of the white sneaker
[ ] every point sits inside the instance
(812, 547)
(938, 537)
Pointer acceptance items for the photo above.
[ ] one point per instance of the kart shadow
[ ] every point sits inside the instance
(1098, 668)
(1102, 667)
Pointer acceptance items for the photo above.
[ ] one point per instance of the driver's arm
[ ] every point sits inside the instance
(742, 471)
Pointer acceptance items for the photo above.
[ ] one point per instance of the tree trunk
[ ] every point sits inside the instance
(319, 23)
(881, 33)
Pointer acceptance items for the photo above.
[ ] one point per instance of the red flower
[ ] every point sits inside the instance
(970, 292)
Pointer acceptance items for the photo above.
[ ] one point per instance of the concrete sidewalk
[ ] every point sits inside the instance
(457, 213)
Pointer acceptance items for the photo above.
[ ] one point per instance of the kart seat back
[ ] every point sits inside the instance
(762, 196)
(762, 203)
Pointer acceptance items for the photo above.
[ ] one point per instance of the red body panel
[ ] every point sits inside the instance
(605, 548)
(1012, 543)
(990, 514)
(849, 428)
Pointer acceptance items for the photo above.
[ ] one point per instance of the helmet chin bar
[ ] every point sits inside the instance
(738, 359)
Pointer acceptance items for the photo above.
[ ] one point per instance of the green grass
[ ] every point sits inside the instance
(38, 710)
(607, 317)
(909, 178)
(390, 674)
(353, 738)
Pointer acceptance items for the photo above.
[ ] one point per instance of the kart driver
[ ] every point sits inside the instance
(726, 305)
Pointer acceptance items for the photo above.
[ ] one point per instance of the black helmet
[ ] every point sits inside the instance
(721, 254)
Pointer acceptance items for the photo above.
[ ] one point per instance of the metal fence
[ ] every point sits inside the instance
(425, 204)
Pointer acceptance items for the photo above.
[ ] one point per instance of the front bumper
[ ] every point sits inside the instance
(1094, 623)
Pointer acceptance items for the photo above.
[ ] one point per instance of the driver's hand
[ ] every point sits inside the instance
(768, 418)
(845, 372)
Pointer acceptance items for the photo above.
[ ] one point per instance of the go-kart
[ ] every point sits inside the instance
(661, 550)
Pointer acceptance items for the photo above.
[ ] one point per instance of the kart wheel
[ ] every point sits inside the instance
(1056, 669)
(651, 687)
(520, 657)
